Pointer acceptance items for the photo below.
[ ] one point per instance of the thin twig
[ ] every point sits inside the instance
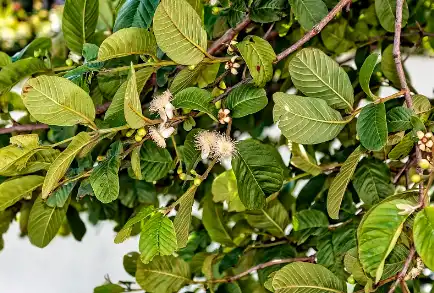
(228, 36)
(315, 30)
(404, 270)
(267, 34)
(407, 164)
(229, 89)
(381, 283)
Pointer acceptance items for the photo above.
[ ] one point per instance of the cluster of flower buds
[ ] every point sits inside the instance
(140, 134)
(223, 116)
(232, 65)
(416, 271)
(425, 142)
(231, 47)
(214, 145)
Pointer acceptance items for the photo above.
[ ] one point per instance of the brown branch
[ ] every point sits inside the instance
(262, 266)
(228, 36)
(229, 89)
(23, 128)
(315, 30)
(407, 164)
(403, 82)
(407, 263)
(381, 283)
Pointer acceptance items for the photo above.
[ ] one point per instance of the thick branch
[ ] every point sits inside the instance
(23, 128)
(228, 36)
(262, 266)
(403, 273)
(315, 30)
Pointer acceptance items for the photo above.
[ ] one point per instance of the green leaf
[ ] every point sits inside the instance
(258, 173)
(318, 76)
(340, 183)
(183, 217)
(44, 222)
(245, 100)
(11, 74)
(90, 52)
(130, 262)
(306, 120)
(306, 278)
(75, 223)
(57, 101)
(398, 119)
(388, 66)
(202, 75)
(59, 197)
(109, 288)
(179, 32)
(195, 99)
(13, 190)
(135, 162)
(264, 11)
(259, 57)
(115, 113)
(126, 42)
(372, 182)
(215, 225)
(41, 44)
(155, 162)
(366, 73)
(377, 236)
(104, 178)
(421, 104)
(191, 155)
(274, 218)
(59, 167)
(423, 233)
(126, 230)
(334, 37)
(158, 237)
(386, 11)
(309, 12)
(136, 13)
(224, 188)
(354, 267)
(307, 219)
(372, 126)
(403, 148)
(303, 160)
(163, 274)
(132, 106)
(79, 21)
(4, 59)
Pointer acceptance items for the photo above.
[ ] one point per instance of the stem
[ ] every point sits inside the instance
(315, 30)
(23, 128)
(62, 142)
(381, 283)
(229, 89)
(228, 36)
(379, 101)
(403, 273)
(114, 129)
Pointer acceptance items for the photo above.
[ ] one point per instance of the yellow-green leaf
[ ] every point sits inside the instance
(183, 216)
(13, 190)
(132, 106)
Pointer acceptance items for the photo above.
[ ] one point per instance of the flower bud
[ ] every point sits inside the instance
(129, 133)
(424, 164)
(197, 181)
(69, 62)
(138, 138)
(142, 131)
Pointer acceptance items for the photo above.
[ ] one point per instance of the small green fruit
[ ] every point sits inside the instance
(416, 178)
(182, 176)
(351, 280)
(215, 10)
(142, 131)
(138, 138)
(197, 181)
(69, 62)
(130, 133)
(424, 164)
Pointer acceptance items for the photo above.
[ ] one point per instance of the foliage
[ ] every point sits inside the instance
(175, 99)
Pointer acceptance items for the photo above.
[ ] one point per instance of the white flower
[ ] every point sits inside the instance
(406, 209)
(162, 105)
(74, 57)
(224, 147)
(223, 116)
(159, 135)
(213, 2)
(204, 141)
(232, 65)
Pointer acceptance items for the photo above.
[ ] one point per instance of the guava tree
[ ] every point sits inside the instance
(165, 105)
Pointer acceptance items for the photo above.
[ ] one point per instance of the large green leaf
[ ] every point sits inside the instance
(303, 160)
(163, 274)
(274, 218)
(307, 219)
(79, 21)
(132, 106)
(179, 32)
(11, 74)
(215, 224)
(57, 101)
(388, 66)
(423, 233)
(354, 267)
(126, 230)
(44, 222)
(136, 13)
(309, 12)
(4, 59)
(319, 76)
(335, 39)
(301, 277)
(195, 99)
(259, 57)
(59, 167)
(246, 100)
(29, 50)
(59, 197)
(202, 75)
(306, 120)
(191, 155)
(340, 183)
(372, 126)
(158, 237)
(403, 148)
(378, 232)
(265, 11)
(398, 119)
(366, 73)
(126, 42)
(258, 173)
(224, 188)
(386, 11)
(115, 113)
(372, 182)
(183, 217)
(104, 178)
(155, 162)
(13, 190)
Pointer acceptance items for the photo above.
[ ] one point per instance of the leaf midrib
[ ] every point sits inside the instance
(310, 286)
